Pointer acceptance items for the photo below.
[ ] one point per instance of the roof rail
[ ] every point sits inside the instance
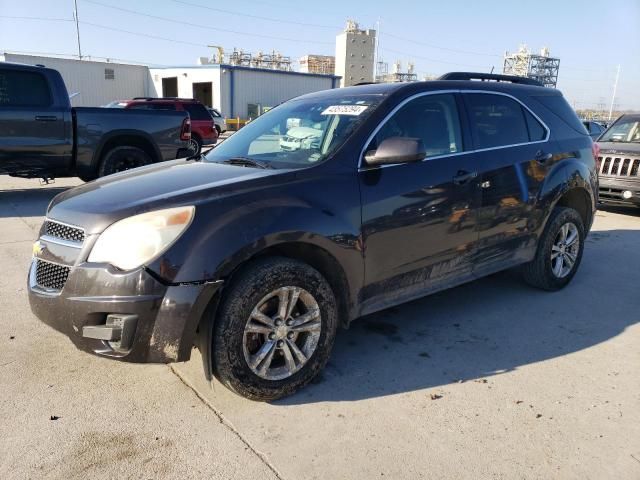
(166, 98)
(495, 77)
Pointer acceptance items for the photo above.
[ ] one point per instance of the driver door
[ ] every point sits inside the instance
(419, 219)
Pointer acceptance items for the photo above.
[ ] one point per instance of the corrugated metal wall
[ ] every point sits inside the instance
(88, 78)
(269, 89)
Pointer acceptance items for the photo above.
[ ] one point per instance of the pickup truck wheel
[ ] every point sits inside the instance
(195, 145)
(218, 129)
(274, 329)
(120, 159)
(559, 251)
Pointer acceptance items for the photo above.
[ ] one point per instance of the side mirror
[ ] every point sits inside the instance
(397, 150)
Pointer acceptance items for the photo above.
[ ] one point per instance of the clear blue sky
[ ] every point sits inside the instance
(591, 38)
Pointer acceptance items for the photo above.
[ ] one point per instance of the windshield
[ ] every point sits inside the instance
(298, 133)
(625, 130)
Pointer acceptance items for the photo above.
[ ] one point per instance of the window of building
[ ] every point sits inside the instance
(496, 120)
(24, 89)
(109, 74)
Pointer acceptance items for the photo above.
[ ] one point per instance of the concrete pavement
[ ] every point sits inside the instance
(489, 380)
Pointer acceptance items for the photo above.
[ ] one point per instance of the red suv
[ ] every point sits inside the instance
(203, 131)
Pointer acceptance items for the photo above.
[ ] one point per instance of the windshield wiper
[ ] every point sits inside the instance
(246, 162)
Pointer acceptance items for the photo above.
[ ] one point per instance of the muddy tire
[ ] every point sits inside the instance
(274, 329)
(124, 158)
(559, 251)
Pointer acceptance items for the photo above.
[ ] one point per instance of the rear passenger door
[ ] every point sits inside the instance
(419, 219)
(513, 155)
(34, 133)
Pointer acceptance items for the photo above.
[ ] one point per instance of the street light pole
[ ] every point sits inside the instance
(75, 14)
(615, 88)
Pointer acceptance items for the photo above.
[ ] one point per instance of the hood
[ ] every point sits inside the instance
(96, 205)
(303, 132)
(619, 147)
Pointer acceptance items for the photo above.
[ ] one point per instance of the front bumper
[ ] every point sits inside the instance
(167, 315)
(614, 191)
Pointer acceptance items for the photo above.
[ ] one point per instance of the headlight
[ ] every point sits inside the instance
(136, 240)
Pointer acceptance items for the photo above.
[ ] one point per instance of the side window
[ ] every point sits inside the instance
(164, 106)
(496, 120)
(140, 106)
(23, 89)
(432, 118)
(197, 111)
(536, 131)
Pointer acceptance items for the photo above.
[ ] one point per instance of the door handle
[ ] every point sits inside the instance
(463, 177)
(542, 157)
(46, 118)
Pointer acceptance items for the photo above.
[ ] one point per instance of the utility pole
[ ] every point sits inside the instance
(75, 15)
(615, 88)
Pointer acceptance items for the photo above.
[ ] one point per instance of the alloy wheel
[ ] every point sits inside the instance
(565, 250)
(282, 333)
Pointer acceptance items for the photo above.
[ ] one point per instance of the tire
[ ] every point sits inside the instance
(279, 374)
(195, 145)
(219, 130)
(87, 177)
(123, 158)
(542, 271)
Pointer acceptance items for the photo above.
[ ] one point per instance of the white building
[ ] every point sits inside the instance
(355, 51)
(93, 83)
(237, 91)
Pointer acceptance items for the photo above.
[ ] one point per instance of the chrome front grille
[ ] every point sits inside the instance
(619, 166)
(65, 232)
(51, 275)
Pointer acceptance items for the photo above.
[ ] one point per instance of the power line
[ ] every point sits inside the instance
(409, 55)
(205, 27)
(446, 49)
(259, 17)
(46, 19)
(155, 37)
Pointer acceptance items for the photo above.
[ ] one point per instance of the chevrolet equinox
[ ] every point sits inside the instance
(256, 253)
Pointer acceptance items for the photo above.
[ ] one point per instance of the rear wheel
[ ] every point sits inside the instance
(559, 251)
(120, 159)
(195, 145)
(274, 329)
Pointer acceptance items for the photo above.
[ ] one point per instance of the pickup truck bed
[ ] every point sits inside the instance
(41, 135)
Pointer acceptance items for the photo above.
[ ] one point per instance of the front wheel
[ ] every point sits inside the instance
(559, 251)
(274, 329)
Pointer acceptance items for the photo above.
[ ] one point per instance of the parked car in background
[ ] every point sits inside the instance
(257, 253)
(203, 131)
(595, 129)
(619, 162)
(303, 138)
(43, 136)
(218, 119)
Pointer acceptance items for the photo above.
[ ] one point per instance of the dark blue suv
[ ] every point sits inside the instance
(256, 254)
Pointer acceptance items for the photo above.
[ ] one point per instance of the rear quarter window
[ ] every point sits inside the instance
(496, 120)
(561, 108)
(23, 89)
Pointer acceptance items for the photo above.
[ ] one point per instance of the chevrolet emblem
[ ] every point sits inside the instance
(38, 248)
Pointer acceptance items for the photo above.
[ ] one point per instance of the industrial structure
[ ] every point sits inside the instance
(355, 50)
(541, 67)
(396, 75)
(318, 64)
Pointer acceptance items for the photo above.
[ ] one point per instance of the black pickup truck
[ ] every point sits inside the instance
(41, 135)
(619, 162)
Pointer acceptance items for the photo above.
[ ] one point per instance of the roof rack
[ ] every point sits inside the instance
(486, 77)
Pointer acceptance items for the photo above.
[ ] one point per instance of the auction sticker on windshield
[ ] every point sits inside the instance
(344, 110)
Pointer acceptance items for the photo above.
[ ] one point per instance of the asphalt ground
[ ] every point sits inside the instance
(488, 380)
